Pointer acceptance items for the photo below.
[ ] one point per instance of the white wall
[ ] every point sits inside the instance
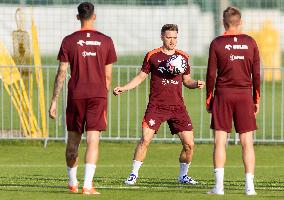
(134, 29)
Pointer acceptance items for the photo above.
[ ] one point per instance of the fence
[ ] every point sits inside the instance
(134, 26)
(125, 112)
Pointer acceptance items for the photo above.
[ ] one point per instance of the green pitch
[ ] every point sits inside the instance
(31, 172)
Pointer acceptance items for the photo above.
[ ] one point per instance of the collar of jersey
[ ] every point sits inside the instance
(87, 29)
(231, 33)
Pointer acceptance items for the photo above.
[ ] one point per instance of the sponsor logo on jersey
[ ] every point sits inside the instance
(168, 81)
(89, 43)
(236, 46)
(228, 46)
(234, 57)
(85, 53)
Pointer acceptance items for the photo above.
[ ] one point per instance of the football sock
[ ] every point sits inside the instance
(249, 181)
(72, 174)
(89, 175)
(136, 167)
(219, 178)
(183, 169)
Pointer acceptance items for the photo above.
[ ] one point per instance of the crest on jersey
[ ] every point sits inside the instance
(88, 34)
(152, 122)
(235, 39)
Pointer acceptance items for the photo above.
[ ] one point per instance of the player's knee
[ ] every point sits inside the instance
(188, 146)
(145, 141)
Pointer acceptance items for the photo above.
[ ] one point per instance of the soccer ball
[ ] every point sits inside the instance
(176, 64)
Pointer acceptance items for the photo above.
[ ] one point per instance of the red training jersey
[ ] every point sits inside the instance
(234, 59)
(87, 51)
(165, 88)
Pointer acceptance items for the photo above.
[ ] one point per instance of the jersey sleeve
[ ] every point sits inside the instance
(256, 75)
(146, 66)
(211, 75)
(111, 56)
(63, 51)
(187, 70)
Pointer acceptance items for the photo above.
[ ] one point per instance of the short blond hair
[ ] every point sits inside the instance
(169, 27)
(231, 17)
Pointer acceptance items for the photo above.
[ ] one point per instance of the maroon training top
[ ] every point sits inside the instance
(165, 88)
(87, 51)
(235, 61)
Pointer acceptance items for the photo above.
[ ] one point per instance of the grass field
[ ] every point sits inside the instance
(29, 171)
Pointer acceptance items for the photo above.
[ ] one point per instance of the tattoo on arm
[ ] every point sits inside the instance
(59, 80)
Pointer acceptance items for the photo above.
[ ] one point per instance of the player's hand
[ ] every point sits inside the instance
(52, 110)
(256, 109)
(200, 84)
(118, 90)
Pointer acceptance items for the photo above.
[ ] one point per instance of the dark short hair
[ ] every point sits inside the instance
(169, 27)
(231, 16)
(85, 10)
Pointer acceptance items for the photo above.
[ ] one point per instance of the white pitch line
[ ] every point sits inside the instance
(107, 187)
(128, 166)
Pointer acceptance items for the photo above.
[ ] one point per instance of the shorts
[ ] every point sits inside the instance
(86, 114)
(176, 117)
(238, 107)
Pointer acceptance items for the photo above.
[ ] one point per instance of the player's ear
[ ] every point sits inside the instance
(78, 17)
(225, 25)
(94, 16)
(240, 26)
(162, 37)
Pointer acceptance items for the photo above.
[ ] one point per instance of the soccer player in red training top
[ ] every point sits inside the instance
(165, 103)
(235, 59)
(90, 54)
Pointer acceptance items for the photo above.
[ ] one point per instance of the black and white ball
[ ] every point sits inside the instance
(176, 64)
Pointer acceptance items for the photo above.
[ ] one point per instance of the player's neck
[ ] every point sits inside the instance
(232, 31)
(87, 25)
(168, 51)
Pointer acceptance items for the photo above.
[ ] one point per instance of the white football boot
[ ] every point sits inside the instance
(187, 180)
(131, 180)
(216, 191)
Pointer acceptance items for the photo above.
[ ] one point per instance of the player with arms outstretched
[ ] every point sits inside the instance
(165, 102)
(234, 57)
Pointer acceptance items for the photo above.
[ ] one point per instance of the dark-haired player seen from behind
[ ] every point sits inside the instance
(234, 58)
(165, 103)
(90, 55)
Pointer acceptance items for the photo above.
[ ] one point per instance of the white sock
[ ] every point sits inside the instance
(89, 175)
(249, 181)
(183, 169)
(219, 178)
(136, 166)
(72, 174)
